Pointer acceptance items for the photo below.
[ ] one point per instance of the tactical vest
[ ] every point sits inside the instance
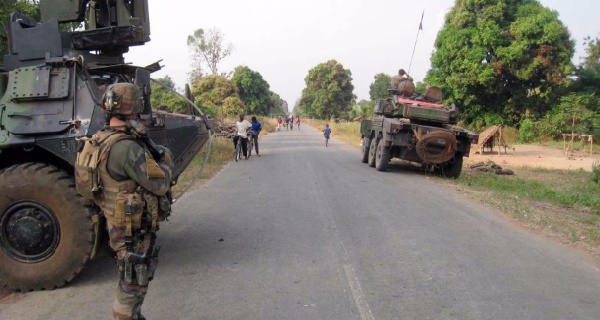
(122, 202)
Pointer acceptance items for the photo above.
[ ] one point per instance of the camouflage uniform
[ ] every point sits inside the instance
(133, 199)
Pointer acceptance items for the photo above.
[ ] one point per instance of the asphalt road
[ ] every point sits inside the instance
(308, 232)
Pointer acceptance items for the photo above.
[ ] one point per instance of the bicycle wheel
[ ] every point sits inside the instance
(238, 150)
(250, 145)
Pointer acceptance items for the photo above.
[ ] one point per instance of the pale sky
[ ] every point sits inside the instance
(282, 39)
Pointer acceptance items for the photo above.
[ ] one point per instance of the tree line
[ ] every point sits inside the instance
(500, 62)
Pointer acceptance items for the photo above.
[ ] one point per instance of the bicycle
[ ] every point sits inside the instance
(250, 143)
(237, 154)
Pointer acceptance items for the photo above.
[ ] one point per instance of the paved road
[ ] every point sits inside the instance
(311, 233)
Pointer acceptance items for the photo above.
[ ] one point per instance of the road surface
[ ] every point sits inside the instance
(308, 232)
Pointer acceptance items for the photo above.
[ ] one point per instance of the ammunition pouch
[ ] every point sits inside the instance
(164, 206)
(128, 211)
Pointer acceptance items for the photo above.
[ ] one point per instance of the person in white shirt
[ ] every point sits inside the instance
(242, 127)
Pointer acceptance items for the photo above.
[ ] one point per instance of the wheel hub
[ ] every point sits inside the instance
(29, 231)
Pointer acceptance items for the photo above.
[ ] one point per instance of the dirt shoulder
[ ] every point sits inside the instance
(536, 156)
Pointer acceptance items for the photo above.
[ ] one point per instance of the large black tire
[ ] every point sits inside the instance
(365, 149)
(46, 229)
(382, 156)
(372, 151)
(453, 168)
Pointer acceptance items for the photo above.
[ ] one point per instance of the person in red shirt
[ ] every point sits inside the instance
(279, 121)
(298, 123)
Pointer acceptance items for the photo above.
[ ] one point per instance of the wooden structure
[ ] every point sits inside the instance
(490, 138)
(569, 140)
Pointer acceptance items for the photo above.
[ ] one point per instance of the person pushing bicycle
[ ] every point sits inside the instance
(242, 128)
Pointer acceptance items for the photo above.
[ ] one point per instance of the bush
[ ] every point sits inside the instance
(526, 131)
(510, 135)
(596, 172)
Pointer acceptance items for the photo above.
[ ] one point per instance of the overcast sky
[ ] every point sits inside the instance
(283, 39)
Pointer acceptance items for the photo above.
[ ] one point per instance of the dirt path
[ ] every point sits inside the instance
(535, 156)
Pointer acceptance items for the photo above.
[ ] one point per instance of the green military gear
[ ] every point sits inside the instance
(87, 180)
(131, 187)
(123, 98)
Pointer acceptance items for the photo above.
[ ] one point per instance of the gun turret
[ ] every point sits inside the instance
(109, 28)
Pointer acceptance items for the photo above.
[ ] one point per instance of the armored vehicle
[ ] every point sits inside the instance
(415, 128)
(51, 85)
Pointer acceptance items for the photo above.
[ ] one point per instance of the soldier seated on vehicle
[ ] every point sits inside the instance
(403, 83)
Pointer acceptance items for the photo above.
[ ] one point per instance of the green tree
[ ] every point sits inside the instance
(164, 99)
(278, 105)
(253, 90)
(578, 111)
(378, 89)
(218, 96)
(363, 109)
(503, 58)
(208, 47)
(7, 7)
(328, 92)
(588, 73)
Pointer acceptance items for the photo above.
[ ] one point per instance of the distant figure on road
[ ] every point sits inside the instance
(327, 134)
(279, 121)
(287, 123)
(292, 122)
(298, 123)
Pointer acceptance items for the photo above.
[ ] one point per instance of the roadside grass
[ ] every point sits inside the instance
(560, 203)
(221, 153)
(564, 188)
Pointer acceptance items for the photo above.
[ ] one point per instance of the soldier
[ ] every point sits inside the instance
(134, 195)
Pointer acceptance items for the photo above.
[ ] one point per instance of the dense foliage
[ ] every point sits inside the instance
(279, 106)
(329, 91)
(378, 89)
(217, 96)
(362, 110)
(164, 99)
(253, 90)
(578, 111)
(499, 60)
(7, 7)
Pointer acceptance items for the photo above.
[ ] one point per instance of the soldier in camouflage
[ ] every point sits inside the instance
(134, 196)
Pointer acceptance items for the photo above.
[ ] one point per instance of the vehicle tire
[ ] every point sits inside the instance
(365, 149)
(372, 151)
(453, 168)
(382, 156)
(46, 228)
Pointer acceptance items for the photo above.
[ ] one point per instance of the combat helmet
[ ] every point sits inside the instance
(123, 99)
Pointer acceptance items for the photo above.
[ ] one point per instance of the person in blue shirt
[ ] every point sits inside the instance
(256, 128)
(327, 133)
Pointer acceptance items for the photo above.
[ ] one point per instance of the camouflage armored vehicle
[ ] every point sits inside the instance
(415, 128)
(51, 85)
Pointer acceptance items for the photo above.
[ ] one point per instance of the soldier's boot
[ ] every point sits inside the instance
(137, 313)
(128, 302)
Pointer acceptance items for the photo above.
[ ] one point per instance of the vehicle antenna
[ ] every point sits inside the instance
(417, 39)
